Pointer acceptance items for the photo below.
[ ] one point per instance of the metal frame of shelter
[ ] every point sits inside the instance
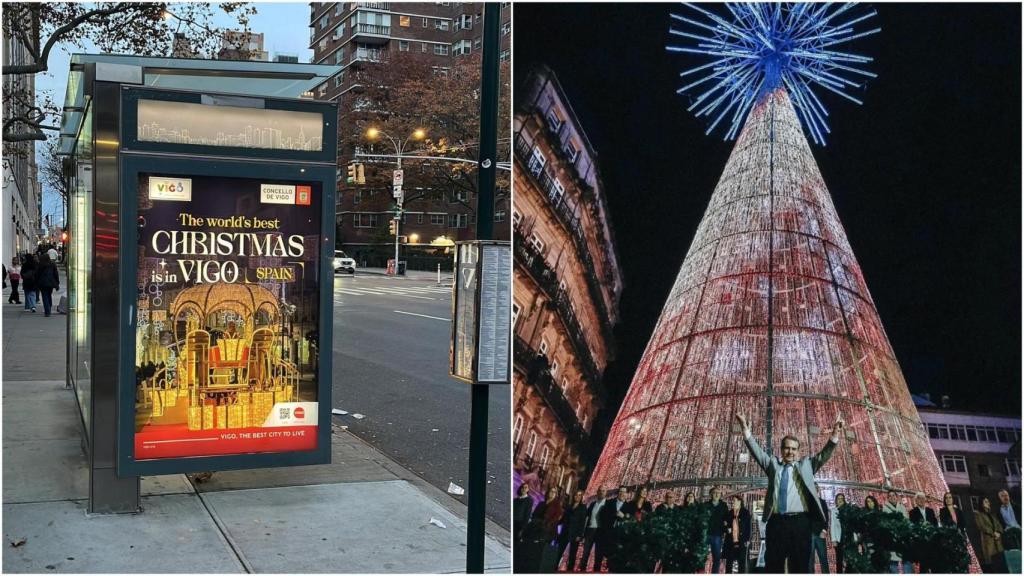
(104, 159)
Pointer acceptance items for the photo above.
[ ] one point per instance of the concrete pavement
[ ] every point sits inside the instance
(361, 513)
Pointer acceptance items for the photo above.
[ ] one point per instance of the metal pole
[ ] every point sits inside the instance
(484, 231)
(398, 203)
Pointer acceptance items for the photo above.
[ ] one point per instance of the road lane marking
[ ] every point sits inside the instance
(423, 316)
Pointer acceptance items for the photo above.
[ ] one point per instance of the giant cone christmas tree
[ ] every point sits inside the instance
(769, 317)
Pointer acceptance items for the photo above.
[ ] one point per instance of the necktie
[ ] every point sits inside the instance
(784, 490)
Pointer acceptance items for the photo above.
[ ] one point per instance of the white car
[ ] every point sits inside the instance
(342, 263)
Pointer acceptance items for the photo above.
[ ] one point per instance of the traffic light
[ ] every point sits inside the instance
(351, 173)
(360, 174)
(393, 227)
(64, 236)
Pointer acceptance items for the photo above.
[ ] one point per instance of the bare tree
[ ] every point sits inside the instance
(116, 27)
(411, 93)
(52, 172)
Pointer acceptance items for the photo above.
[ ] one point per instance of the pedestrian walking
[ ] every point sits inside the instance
(28, 281)
(14, 275)
(47, 280)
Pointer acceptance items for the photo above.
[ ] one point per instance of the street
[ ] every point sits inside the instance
(391, 338)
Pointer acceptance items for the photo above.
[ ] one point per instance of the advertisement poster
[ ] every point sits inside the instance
(228, 315)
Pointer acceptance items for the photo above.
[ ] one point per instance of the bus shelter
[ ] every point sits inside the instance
(201, 234)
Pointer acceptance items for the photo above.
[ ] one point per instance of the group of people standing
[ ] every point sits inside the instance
(544, 532)
(37, 277)
(797, 523)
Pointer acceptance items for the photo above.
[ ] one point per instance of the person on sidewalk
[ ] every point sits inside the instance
(522, 509)
(14, 275)
(47, 280)
(28, 281)
(791, 502)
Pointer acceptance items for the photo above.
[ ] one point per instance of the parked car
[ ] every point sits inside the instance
(342, 263)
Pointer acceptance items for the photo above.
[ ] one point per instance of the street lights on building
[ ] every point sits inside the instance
(398, 177)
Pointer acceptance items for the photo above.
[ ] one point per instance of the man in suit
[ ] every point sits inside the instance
(1007, 514)
(921, 511)
(791, 500)
(668, 505)
(602, 514)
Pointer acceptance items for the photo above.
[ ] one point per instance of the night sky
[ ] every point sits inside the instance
(925, 176)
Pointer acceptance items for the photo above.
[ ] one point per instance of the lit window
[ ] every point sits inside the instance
(404, 21)
(554, 122)
(536, 243)
(568, 484)
(537, 162)
(571, 151)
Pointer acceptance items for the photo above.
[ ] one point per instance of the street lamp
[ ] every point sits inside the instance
(399, 146)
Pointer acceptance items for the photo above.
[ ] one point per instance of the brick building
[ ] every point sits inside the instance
(360, 35)
(567, 284)
(979, 455)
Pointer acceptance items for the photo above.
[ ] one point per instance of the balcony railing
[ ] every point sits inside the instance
(372, 29)
(364, 55)
(538, 375)
(545, 181)
(375, 5)
(547, 279)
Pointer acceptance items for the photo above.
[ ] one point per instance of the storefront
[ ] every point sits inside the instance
(201, 236)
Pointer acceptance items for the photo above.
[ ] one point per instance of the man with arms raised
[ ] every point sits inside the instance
(791, 502)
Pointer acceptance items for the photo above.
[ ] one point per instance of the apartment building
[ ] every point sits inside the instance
(359, 35)
(979, 455)
(567, 285)
(22, 194)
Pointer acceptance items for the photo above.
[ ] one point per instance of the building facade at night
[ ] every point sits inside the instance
(567, 284)
(770, 317)
(360, 35)
(979, 455)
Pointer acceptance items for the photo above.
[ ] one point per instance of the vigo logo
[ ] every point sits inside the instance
(179, 189)
(299, 412)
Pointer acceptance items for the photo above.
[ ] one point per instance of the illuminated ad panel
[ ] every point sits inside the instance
(228, 312)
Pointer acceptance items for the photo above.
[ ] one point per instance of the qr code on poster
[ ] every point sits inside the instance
(283, 413)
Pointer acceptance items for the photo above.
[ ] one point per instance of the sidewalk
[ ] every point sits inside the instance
(361, 513)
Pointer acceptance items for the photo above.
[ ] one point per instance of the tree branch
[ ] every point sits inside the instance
(41, 64)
